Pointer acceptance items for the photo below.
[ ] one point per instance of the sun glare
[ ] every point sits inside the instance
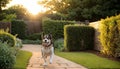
(31, 5)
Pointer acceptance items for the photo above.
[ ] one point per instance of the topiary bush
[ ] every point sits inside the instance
(18, 27)
(7, 58)
(55, 27)
(78, 37)
(110, 36)
(6, 37)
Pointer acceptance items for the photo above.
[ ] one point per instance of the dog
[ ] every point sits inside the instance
(47, 48)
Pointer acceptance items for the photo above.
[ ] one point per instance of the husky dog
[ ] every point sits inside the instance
(47, 48)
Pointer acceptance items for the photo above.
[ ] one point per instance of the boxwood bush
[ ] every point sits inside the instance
(18, 27)
(55, 27)
(7, 57)
(78, 37)
(110, 36)
(6, 37)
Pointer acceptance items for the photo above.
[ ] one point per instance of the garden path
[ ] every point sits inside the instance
(36, 62)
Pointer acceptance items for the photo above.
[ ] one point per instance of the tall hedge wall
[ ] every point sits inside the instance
(18, 27)
(78, 38)
(110, 36)
(55, 27)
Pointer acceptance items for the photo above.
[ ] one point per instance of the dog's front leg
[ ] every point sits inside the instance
(42, 52)
(52, 54)
(43, 56)
(45, 62)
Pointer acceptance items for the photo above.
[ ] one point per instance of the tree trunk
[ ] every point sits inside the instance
(0, 9)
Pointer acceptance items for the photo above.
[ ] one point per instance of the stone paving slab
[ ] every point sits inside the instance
(36, 62)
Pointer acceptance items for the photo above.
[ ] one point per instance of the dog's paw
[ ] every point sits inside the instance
(50, 62)
(45, 64)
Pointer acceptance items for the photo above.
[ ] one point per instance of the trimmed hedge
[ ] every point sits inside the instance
(78, 38)
(18, 27)
(110, 36)
(55, 27)
(6, 37)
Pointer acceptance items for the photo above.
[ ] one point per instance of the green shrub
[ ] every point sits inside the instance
(31, 41)
(6, 37)
(18, 27)
(110, 36)
(7, 58)
(78, 38)
(36, 36)
(55, 27)
(59, 44)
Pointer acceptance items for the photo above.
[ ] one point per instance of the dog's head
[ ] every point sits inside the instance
(46, 40)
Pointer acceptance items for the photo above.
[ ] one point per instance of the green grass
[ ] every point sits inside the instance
(22, 59)
(89, 60)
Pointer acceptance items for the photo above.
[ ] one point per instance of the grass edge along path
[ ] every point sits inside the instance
(22, 59)
(89, 60)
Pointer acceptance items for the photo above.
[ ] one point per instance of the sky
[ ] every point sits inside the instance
(31, 5)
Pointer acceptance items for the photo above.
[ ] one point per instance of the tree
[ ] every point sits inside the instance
(55, 5)
(84, 9)
(3, 3)
(19, 10)
(9, 17)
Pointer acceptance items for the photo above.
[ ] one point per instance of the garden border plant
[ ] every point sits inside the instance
(7, 56)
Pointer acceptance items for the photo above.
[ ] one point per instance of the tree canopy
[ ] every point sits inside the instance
(19, 10)
(84, 9)
(3, 3)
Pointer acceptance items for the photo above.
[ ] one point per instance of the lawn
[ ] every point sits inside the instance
(89, 60)
(22, 59)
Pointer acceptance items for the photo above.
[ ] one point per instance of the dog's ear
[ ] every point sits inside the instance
(50, 35)
(42, 35)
